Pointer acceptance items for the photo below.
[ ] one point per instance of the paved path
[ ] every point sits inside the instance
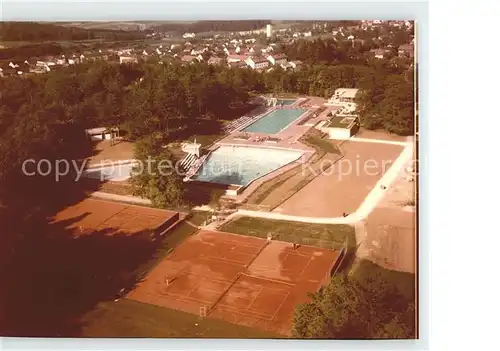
(378, 141)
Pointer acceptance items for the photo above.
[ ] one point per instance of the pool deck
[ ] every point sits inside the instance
(289, 137)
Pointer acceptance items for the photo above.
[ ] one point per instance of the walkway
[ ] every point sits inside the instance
(378, 141)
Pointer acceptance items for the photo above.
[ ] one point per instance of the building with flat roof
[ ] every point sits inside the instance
(341, 127)
(344, 97)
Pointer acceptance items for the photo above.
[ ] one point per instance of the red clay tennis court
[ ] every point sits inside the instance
(240, 279)
(91, 215)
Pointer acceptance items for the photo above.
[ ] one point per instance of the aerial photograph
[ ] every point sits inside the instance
(209, 179)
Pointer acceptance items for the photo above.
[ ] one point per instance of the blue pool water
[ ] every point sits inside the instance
(275, 121)
(241, 165)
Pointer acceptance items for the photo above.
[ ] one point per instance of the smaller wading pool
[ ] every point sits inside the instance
(241, 165)
(117, 173)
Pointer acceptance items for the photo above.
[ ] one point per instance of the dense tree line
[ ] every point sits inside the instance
(332, 51)
(214, 26)
(25, 52)
(350, 307)
(36, 32)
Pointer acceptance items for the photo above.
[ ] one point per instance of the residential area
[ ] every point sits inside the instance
(258, 49)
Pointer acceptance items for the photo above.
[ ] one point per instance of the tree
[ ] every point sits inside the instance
(156, 177)
(354, 308)
(335, 311)
(388, 104)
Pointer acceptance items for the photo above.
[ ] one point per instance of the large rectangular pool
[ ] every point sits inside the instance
(275, 121)
(240, 165)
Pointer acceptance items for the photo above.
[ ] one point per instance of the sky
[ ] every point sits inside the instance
(115, 10)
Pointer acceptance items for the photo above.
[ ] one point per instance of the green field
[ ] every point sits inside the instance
(128, 318)
(331, 236)
(365, 271)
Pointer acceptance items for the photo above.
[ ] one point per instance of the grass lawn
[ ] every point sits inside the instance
(330, 236)
(405, 282)
(270, 185)
(128, 318)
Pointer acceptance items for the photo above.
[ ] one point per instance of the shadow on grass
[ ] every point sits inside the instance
(52, 274)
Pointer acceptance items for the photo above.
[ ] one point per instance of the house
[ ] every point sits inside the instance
(128, 59)
(38, 70)
(286, 66)
(257, 62)
(379, 53)
(256, 49)
(215, 60)
(406, 50)
(240, 64)
(236, 58)
(344, 97)
(196, 52)
(296, 64)
(188, 35)
(277, 59)
(101, 133)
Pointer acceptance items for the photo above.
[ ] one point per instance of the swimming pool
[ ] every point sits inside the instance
(241, 165)
(118, 172)
(275, 121)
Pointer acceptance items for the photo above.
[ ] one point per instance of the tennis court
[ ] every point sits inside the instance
(92, 215)
(244, 280)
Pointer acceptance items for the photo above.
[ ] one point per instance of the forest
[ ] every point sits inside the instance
(38, 32)
(214, 26)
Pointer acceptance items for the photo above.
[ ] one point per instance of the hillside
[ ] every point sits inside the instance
(38, 32)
